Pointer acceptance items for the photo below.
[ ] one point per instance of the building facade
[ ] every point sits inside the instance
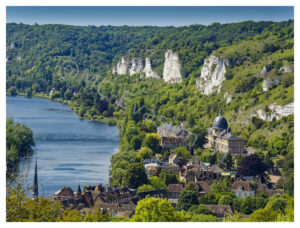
(172, 136)
(220, 137)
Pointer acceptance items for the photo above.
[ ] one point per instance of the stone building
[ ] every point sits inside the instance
(220, 137)
(242, 189)
(172, 136)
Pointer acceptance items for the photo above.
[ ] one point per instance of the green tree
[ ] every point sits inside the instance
(199, 209)
(28, 92)
(289, 185)
(263, 215)
(239, 161)
(228, 161)
(155, 210)
(183, 152)
(144, 153)
(186, 200)
(12, 91)
(135, 175)
(168, 177)
(226, 200)
(204, 218)
(154, 184)
(152, 141)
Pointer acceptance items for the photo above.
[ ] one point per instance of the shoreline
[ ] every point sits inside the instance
(105, 121)
(47, 97)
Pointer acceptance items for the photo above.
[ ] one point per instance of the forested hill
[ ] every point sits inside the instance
(45, 48)
(245, 69)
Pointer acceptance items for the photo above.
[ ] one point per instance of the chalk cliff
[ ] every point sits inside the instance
(212, 74)
(277, 112)
(135, 65)
(172, 67)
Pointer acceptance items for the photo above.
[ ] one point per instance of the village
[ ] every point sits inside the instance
(122, 201)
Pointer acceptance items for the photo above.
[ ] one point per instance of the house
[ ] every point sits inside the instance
(172, 136)
(173, 167)
(274, 180)
(242, 189)
(220, 211)
(19, 58)
(174, 190)
(174, 159)
(203, 187)
(220, 137)
(65, 193)
(187, 176)
(201, 175)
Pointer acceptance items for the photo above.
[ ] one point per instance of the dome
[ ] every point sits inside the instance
(220, 122)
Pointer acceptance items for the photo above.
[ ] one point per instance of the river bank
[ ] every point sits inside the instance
(71, 150)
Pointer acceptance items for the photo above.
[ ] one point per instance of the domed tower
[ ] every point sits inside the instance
(219, 127)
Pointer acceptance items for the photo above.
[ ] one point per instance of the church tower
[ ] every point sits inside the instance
(35, 192)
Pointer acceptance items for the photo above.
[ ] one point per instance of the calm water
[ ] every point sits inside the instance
(70, 150)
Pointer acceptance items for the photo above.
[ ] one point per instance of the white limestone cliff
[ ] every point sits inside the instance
(172, 67)
(149, 73)
(269, 82)
(288, 69)
(137, 66)
(212, 74)
(123, 66)
(277, 112)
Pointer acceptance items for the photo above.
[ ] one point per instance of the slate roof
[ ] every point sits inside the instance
(174, 130)
(230, 136)
(245, 184)
(220, 122)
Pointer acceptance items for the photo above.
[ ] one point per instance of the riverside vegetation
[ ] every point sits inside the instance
(77, 62)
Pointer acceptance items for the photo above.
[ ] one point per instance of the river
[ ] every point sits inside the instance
(70, 150)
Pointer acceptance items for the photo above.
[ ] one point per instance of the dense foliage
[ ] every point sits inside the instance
(77, 61)
(19, 143)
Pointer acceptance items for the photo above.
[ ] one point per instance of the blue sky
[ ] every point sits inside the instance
(161, 16)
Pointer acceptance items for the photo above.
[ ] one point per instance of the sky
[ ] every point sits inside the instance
(159, 16)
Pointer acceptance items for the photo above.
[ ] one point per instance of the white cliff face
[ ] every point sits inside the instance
(269, 82)
(277, 112)
(172, 68)
(137, 66)
(149, 73)
(212, 75)
(288, 69)
(123, 66)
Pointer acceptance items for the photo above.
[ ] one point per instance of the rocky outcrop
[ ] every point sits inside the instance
(263, 72)
(276, 111)
(287, 69)
(149, 73)
(172, 68)
(134, 66)
(212, 74)
(137, 66)
(228, 98)
(123, 66)
(269, 82)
